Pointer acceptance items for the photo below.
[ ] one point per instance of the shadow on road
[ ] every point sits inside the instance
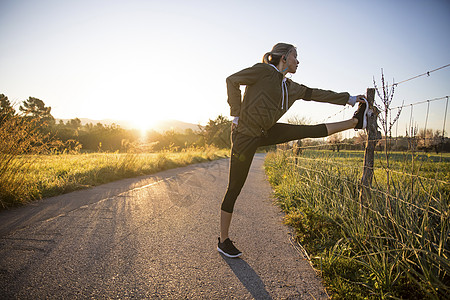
(245, 273)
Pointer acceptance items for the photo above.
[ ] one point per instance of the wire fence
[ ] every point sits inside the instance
(411, 106)
(416, 139)
(405, 203)
(417, 161)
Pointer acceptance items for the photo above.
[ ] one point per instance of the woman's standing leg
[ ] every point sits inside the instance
(242, 151)
(225, 221)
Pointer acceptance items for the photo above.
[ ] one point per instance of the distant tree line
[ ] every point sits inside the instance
(73, 136)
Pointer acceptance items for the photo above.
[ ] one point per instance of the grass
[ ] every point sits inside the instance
(40, 176)
(395, 247)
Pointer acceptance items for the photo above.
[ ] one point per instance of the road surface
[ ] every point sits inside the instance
(153, 237)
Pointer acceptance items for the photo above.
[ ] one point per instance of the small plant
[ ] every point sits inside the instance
(386, 95)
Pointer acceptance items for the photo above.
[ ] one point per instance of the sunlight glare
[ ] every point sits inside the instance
(143, 125)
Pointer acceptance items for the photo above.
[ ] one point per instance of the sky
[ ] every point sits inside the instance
(144, 61)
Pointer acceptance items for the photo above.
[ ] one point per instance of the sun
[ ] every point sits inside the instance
(143, 115)
(143, 124)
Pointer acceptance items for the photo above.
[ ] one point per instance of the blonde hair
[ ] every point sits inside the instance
(278, 51)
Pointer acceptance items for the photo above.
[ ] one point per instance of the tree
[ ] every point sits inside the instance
(74, 124)
(6, 109)
(296, 120)
(35, 108)
(430, 139)
(217, 132)
(67, 131)
(335, 141)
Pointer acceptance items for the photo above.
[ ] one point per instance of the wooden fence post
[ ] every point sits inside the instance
(373, 135)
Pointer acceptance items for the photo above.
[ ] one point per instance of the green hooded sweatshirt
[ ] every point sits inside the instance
(268, 95)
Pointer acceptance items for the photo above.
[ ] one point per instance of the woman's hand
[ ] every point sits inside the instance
(234, 123)
(361, 98)
(352, 100)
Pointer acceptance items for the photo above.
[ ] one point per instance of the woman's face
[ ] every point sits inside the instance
(292, 61)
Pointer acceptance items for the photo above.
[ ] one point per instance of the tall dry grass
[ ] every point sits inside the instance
(57, 174)
(18, 136)
(393, 252)
(30, 170)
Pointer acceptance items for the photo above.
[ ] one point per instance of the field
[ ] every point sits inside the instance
(25, 178)
(393, 244)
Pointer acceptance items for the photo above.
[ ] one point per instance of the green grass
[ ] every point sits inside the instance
(33, 177)
(396, 247)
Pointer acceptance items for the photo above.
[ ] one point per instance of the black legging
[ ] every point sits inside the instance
(244, 147)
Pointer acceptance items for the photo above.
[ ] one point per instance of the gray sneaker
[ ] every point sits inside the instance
(361, 115)
(228, 249)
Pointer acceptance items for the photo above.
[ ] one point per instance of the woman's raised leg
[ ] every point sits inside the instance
(341, 126)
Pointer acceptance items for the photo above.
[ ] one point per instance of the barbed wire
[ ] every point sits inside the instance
(396, 84)
(328, 145)
(392, 108)
(419, 102)
(333, 115)
(417, 76)
(411, 105)
(424, 187)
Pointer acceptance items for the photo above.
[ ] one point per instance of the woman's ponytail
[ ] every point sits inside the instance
(267, 58)
(273, 57)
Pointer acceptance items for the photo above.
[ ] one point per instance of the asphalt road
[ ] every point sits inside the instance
(153, 237)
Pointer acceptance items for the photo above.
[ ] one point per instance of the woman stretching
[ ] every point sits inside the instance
(268, 95)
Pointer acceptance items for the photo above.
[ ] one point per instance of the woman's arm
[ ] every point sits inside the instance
(245, 77)
(300, 91)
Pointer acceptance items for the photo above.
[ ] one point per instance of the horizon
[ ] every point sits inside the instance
(125, 124)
